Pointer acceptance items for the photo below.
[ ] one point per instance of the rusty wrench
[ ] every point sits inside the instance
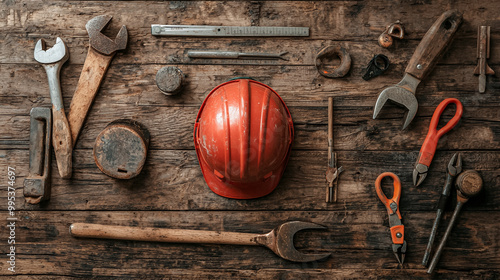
(279, 240)
(432, 46)
(52, 59)
(101, 52)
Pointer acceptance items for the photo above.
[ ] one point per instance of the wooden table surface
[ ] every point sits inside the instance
(171, 191)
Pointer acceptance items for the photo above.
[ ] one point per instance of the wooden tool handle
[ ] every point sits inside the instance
(91, 77)
(161, 234)
(434, 44)
(330, 120)
(61, 140)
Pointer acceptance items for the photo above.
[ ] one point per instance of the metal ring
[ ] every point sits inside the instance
(341, 70)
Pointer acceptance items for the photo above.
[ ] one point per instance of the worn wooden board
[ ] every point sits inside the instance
(353, 237)
(171, 192)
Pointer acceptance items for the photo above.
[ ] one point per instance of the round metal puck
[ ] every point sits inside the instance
(170, 80)
(469, 183)
(120, 150)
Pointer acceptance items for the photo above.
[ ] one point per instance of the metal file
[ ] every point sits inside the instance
(228, 31)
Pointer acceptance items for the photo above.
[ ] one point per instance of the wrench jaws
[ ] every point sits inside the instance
(57, 53)
(402, 94)
(101, 42)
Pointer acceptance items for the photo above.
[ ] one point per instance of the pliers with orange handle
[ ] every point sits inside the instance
(392, 205)
(430, 143)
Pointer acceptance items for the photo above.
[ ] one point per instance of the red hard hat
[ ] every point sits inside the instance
(243, 136)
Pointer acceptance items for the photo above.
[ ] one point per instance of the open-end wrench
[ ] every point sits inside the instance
(432, 46)
(101, 52)
(52, 59)
(279, 240)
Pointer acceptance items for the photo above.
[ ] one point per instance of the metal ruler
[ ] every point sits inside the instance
(227, 31)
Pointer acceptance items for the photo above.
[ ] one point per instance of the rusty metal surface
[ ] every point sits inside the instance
(330, 52)
(120, 150)
(333, 171)
(483, 53)
(280, 241)
(394, 30)
(101, 42)
(37, 184)
(469, 183)
(170, 80)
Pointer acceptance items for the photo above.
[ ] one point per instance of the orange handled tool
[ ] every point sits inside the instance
(430, 143)
(392, 205)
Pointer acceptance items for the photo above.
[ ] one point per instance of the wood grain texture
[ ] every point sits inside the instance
(434, 43)
(94, 69)
(171, 192)
(61, 140)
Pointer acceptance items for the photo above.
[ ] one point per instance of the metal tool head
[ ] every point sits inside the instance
(282, 56)
(101, 42)
(400, 251)
(455, 165)
(419, 174)
(403, 94)
(57, 53)
(280, 240)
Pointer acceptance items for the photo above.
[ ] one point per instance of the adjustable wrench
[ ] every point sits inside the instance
(52, 59)
(101, 52)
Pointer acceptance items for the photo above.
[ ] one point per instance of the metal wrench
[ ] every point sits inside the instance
(279, 240)
(101, 52)
(52, 59)
(454, 168)
(432, 46)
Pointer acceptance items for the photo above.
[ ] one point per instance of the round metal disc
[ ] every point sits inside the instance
(170, 80)
(120, 149)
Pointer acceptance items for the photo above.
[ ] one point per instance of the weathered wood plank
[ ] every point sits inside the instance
(24, 24)
(172, 186)
(354, 128)
(172, 180)
(16, 48)
(327, 19)
(359, 241)
(135, 85)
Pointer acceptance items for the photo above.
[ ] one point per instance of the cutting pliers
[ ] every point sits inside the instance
(430, 143)
(392, 205)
